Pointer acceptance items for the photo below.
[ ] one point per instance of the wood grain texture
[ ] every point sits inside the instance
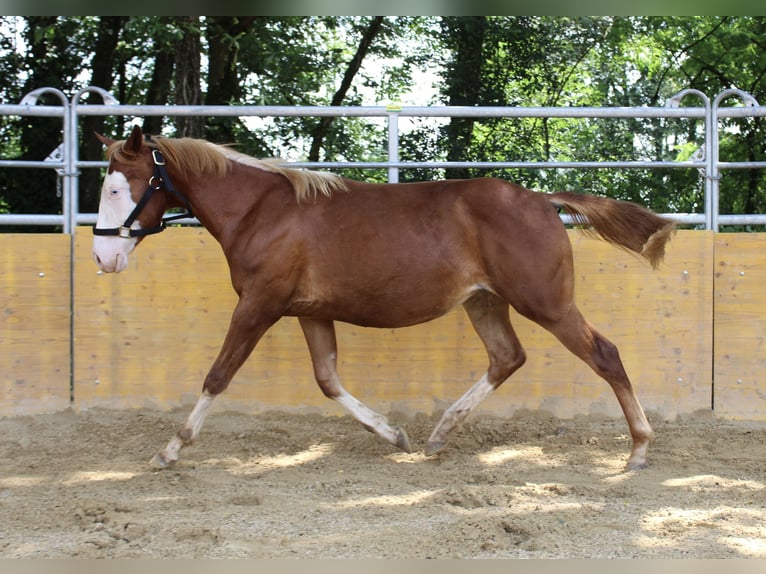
(740, 328)
(34, 323)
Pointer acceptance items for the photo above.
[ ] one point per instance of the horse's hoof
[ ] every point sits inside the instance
(402, 440)
(160, 461)
(435, 447)
(636, 466)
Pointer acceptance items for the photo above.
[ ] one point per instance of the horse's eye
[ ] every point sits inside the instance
(114, 192)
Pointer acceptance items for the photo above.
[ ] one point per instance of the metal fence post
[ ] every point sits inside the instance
(74, 142)
(714, 175)
(393, 141)
(710, 206)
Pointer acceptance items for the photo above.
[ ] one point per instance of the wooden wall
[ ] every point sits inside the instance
(146, 337)
(740, 326)
(34, 323)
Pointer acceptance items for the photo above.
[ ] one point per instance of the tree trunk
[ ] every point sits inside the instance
(319, 133)
(158, 93)
(103, 66)
(188, 91)
(466, 37)
(223, 79)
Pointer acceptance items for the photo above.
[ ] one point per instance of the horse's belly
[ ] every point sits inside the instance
(400, 309)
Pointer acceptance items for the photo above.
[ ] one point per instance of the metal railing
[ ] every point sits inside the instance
(65, 159)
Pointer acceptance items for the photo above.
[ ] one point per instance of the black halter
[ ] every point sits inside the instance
(159, 180)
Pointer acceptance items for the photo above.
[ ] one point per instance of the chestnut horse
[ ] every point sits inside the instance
(324, 248)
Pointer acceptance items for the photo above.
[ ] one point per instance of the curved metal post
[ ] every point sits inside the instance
(715, 176)
(73, 141)
(711, 206)
(31, 99)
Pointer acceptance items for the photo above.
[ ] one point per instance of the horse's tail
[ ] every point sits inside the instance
(621, 223)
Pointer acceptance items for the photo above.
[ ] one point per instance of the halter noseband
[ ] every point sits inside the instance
(159, 180)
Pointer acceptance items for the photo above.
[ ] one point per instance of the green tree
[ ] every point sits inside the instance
(727, 52)
(350, 60)
(609, 61)
(463, 82)
(55, 51)
(103, 66)
(224, 75)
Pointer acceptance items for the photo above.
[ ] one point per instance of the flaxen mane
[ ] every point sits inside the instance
(196, 156)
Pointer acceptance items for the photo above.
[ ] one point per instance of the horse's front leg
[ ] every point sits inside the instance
(245, 330)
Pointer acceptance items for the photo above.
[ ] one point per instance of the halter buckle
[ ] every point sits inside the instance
(124, 232)
(157, 156)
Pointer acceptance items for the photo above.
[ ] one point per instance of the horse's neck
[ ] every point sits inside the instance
(235, 205)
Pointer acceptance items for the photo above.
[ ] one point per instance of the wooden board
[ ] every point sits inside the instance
(147, 337)
(740, 328)
(34, 323)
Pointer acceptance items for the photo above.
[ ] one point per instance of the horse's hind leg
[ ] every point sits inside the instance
(602, 356)
(489, 316)
(320, 337)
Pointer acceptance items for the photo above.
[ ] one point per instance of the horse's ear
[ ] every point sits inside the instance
(135, 141)
(104, 140)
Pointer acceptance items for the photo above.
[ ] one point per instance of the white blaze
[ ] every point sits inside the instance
(111, 251)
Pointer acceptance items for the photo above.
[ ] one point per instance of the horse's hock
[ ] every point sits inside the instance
(148, 337)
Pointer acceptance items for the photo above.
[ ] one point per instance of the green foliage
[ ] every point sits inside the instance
(479, 61)
(608, 61)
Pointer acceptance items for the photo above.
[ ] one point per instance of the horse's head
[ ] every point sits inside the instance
(121, 222)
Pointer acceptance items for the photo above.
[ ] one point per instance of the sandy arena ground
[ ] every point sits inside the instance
(280, 485)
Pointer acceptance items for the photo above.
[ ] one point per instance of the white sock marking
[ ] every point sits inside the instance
(367, 416)
(461, 408)
(190, 430)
